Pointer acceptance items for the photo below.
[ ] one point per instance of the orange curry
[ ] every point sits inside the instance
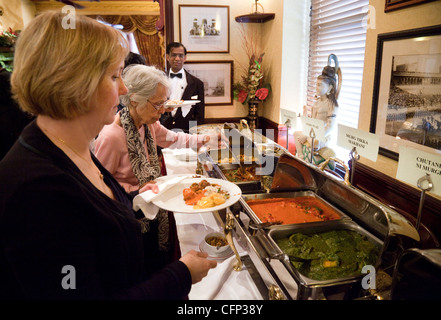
(292, 210)
(195, 192)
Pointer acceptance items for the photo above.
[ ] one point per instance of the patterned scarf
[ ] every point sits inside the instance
(143, 169)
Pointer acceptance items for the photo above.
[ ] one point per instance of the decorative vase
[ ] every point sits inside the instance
(253, 119)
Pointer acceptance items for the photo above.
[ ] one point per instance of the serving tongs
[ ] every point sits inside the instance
(263, 225)
(227, 143)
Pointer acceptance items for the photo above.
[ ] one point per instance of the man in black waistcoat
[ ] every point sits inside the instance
(184, 87)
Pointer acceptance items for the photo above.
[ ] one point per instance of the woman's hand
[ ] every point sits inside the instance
(198, 264)
(169, 109)
(213, 141)
(149, 186)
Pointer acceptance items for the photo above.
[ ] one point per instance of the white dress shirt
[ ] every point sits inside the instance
(178, 86)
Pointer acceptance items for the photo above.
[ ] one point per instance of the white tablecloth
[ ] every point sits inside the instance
(174, 163)
(221, 282)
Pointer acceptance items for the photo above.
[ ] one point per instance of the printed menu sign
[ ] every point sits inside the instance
(317, 125)
(414, 164)
(367, 143)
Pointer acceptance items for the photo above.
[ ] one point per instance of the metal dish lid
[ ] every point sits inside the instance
(291, 174)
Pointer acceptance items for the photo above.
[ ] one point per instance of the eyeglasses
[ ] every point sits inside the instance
(180, 55)
(156, 106)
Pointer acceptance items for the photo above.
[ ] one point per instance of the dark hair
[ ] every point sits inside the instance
(134, 58)
(175, 45)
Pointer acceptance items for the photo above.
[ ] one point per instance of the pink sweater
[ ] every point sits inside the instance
(111, 149)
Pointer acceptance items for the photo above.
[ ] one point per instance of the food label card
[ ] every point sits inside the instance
(367, 143)
(413, 164)
(317, 125)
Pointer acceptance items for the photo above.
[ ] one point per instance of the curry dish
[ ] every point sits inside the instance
(292, 210)
(329, 255)
(241, 174)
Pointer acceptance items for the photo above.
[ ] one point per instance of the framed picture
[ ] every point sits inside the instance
(205, 29)
(399, 4)
(406, 105)
(217, 77)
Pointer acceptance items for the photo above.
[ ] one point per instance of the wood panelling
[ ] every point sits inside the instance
(404, 199)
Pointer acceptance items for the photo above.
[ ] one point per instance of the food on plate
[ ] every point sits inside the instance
(172, 102)
(329, 255)
(204, 195)
(292, 210)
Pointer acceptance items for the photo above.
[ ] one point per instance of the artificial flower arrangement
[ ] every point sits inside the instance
(8, 38)
(252, 86)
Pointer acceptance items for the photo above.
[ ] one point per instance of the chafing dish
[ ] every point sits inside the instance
(211, 128)
(292, 176)
(307, 287)
(287, 195)
(245, 186)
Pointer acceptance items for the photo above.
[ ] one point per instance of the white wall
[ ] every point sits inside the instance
(295, 51)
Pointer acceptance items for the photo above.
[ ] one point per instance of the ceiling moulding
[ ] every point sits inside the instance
(103, 7)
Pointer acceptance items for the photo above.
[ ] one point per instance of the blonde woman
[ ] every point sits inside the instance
(67, 227)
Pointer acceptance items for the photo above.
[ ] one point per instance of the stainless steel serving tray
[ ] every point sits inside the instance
(251, 186)
(211, 128)
(287, 195)
(306, 285)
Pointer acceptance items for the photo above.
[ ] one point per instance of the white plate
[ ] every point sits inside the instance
(173, 198)
(185, 103)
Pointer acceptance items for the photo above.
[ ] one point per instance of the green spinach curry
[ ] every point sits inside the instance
(329, 255)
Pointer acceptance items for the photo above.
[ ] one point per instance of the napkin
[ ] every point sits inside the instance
(144, 200)
(185, 110)
(209, 288)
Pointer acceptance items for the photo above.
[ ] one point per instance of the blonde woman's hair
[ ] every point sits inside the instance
(141, 82)
(57, 70)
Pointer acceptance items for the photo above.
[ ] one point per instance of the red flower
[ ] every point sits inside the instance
(242, 96)
(262, 93)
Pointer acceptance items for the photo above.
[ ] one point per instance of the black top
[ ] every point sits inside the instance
(12, 118)
(62, 238)
(195, 87)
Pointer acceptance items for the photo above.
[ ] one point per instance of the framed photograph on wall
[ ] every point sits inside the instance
(205, 29)
(217, 77)
(406, 105)
(399, 4)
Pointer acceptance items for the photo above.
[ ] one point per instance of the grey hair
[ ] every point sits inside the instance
(141, 82)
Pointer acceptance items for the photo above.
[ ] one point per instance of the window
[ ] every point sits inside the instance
(338, 27)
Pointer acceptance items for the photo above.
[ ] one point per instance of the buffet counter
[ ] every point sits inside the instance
(271, 261)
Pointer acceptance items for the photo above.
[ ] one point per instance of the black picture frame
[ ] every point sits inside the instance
(404, 42)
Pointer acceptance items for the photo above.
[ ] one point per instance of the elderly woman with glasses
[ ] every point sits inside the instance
(127, 147)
